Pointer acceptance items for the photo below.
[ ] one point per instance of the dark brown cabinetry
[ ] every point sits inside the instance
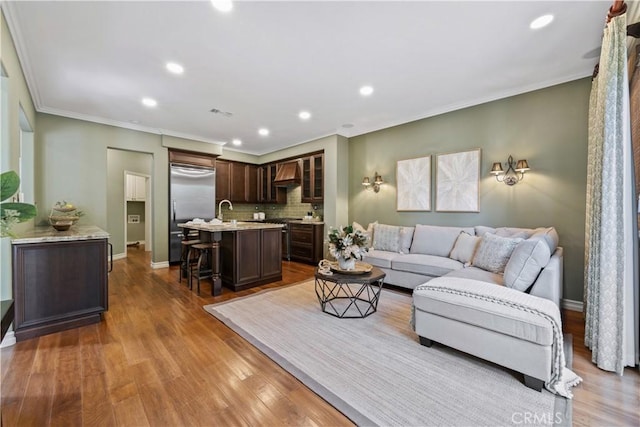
(268, 192)
(237, 182)
(251, 257)
(58, 285)
(306, 242)
(313, 178)
(191, 158)
(223, 177)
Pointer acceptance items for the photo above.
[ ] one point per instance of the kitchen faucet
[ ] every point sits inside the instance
(220, 208)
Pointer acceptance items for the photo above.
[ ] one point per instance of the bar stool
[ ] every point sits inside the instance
(207, 265)
(187, 258)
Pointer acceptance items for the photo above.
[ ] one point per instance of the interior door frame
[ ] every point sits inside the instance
(148, 211)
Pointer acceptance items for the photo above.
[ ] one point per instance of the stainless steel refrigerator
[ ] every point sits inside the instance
(192, 194)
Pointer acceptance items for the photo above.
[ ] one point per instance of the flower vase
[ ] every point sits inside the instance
(346, 264)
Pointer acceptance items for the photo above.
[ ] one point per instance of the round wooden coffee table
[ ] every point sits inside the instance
(349, 295)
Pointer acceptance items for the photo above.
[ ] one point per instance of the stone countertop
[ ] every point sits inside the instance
(306, 221)
(228, 226)
(49, 234)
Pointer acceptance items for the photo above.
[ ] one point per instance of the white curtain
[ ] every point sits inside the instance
(610, 240)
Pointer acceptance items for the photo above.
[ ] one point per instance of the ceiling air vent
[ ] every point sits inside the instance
(220, 112)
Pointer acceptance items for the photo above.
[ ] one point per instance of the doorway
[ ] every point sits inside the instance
(137, 211)
(120, 163)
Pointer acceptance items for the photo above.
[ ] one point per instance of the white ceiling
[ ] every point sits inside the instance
(265, 61)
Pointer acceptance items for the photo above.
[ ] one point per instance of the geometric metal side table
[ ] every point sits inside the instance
(348, 295)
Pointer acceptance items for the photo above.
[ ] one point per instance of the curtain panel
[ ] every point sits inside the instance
(610, 243)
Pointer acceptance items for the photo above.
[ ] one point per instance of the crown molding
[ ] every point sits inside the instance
(126, 125)
(23, 58)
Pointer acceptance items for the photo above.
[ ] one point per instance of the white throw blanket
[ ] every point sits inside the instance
(562, 378)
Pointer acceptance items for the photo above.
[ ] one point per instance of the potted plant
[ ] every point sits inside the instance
(12, 213)
(347, 245)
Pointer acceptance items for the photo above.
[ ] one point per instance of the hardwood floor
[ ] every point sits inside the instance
(159, 359)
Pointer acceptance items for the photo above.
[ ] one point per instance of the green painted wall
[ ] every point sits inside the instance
(135, 232)
(71, 160)
(119, 161)
(15, 93)
(547, 127)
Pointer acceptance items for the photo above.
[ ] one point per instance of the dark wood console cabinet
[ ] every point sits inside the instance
(58, 285)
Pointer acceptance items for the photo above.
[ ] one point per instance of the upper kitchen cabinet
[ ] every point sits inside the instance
(193, 159)
(313, 178)
(237, 182)
(136, 191)
(223, 179)
(268, 192)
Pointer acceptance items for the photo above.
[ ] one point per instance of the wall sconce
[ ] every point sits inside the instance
(513, 174)
(377, 182)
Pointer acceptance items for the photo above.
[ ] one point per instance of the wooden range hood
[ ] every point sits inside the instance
(287, 174)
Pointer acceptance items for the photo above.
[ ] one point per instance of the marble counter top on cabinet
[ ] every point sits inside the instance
(229, 226)
(49, 234)
(306, 221)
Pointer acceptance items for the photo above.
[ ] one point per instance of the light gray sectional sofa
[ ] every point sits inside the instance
(525, 263)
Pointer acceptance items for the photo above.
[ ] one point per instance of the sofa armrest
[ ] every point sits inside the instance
(550, 280)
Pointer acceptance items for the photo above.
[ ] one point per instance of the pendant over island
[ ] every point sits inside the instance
(249, 253)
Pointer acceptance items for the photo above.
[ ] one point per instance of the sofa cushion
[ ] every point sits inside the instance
(429, 265)
(464, 248)
(494, 252)
(368, 231)
(476, 273)
(386, 237)
(482, 229)
(527, 259)
(436, 240)
(380, 259)
(406, 237)
(550, 237)
(485, 314)
(514, 232)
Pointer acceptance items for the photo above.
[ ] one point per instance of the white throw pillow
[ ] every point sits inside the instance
(527, 259)
(465, 248)
(494, 252)
(368, 231)
(386, 238)
(406, 237)
(482, 229)
(436, 240)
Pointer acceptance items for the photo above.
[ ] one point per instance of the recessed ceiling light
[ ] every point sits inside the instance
(263, 131)
(236, 142)
(175, 68)
(304, 115)
(222, 5)
(541, 21)
(366, 90)
(149, 102)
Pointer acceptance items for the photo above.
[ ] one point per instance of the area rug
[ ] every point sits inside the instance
(375, 371)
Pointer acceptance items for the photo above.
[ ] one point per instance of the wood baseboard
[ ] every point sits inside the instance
(572, 305)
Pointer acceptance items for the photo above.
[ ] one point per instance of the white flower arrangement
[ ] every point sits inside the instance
(347, 243)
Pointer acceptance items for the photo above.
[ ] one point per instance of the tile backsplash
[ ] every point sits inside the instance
(293, 209)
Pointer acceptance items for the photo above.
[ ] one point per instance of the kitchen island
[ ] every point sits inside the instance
(59, 279)
(250, 253)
